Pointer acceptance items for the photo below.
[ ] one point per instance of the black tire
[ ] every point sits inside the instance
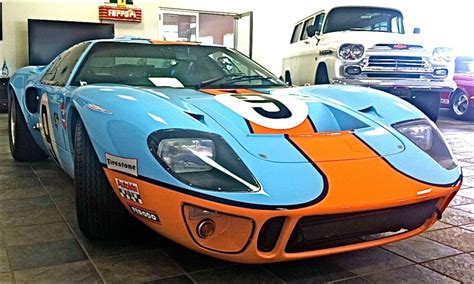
(288, 78)
(100, 214)
(321, 75)
(459, 106)
(428, 103)
(22, 145)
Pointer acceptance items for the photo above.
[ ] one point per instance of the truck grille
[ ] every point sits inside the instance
(399, 62)
(326, 231)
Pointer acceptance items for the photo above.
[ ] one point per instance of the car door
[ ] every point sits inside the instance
(310, 50)
(290, 62)
(55, 95)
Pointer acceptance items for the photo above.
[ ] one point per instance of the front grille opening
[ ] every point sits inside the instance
(399, 62)
(326, 231)
(387, 75)
(269, 234)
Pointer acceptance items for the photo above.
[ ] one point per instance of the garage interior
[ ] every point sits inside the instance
(40, 240)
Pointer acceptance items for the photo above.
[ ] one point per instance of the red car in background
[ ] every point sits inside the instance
(461, 101)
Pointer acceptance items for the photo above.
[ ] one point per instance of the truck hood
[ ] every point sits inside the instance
(258, 122)
(370, 39)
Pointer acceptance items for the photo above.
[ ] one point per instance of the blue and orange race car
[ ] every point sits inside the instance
(211, 150)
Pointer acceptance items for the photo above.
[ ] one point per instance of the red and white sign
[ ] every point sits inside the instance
(111, 13)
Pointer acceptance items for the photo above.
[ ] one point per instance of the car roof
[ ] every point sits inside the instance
(134, 39)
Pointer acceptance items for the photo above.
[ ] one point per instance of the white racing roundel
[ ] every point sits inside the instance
(271, 111)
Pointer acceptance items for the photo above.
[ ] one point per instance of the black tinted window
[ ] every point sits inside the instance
(58, 74)
(296, 33)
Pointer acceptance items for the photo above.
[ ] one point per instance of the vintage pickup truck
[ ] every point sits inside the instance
(367, 46)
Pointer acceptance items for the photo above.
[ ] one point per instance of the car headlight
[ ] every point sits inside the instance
(351, 51)
(428, 138)
(443, 54)
(179, 154)
(202, 160)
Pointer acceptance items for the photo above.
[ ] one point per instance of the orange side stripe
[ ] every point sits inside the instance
(332, 146)
(173, 42)
(216, 92)
(305, 127)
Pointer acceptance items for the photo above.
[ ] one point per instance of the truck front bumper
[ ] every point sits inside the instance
(399, 84)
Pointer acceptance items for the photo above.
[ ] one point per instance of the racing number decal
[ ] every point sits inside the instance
(47, 131)
(276, 111)
(281, 110)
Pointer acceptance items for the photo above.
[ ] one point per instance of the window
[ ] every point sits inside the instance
(364, 19)
(307, 23)
(318, 23)
(58, 74)
(296, 33)
(137, 64)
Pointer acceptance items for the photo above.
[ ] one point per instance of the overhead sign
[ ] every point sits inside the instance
(111, 13)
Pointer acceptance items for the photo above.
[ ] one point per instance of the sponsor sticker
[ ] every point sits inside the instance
(120, 164)
(144, 213)
(129, 190)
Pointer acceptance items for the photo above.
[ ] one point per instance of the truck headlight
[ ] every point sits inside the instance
(201, 160)
(428, 138)
(349, 51)
(443, 54)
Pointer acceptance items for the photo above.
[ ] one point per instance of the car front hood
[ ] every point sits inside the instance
(265, 123)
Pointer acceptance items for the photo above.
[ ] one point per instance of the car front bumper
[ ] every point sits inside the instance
(167, 205)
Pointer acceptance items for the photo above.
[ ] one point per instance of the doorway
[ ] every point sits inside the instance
(227, 29)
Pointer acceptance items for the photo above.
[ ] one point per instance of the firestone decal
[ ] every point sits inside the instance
(125, 165)
(128, 190)
(271, 111)
(147, 214)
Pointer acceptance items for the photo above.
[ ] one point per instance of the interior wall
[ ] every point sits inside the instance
(273, 23)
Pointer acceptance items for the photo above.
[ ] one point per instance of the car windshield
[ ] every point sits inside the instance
(171, 65)
(464, 65)
(364, 19)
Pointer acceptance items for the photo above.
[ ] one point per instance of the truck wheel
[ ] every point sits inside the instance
(288, 78)
(22, 145)
(459, 106)
(428, 102)
(322, 75)
(100, 214)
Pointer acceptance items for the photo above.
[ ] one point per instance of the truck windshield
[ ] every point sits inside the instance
(364, 19)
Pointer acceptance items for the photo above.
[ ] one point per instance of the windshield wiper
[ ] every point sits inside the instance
(234, 78)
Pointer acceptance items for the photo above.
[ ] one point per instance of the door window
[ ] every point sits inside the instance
(318, 23)
(307, 23)
(296, 33)
(58, 74)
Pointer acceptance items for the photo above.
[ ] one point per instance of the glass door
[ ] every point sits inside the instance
(244, 33)
(179, 26)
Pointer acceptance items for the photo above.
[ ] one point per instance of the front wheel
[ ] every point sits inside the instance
(23, 147)
(459, 106)
(100, 214)
(428, 102)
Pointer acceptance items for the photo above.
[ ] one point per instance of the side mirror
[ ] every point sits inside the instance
(416, 30)
(311, 30)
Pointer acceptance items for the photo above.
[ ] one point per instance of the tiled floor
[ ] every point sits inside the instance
(40, 239)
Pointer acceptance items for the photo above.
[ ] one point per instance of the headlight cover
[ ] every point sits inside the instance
(351, 51)
(428, 138)
(443, 54)
(202, 160)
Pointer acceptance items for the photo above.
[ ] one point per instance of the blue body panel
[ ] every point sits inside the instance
(120, 118)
